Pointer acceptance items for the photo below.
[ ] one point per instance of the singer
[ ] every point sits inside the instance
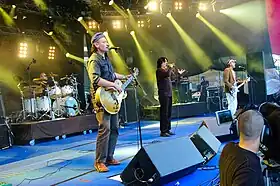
(163, 75)
(101, 73)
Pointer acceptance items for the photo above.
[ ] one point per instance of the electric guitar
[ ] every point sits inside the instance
(235, 88)
(111, 100)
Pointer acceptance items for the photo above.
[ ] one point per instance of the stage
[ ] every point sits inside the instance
(179, 110)
(30, 132)
(70, 161)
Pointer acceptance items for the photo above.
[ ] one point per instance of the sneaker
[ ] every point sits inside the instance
(101, 167)
(113, 162)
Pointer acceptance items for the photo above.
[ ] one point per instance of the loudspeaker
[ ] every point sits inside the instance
(256, 70)
(207, 144)
(162, 162)
(129, 107)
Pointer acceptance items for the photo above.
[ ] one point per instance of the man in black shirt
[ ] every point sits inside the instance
(101, 73)
(163, 74)
(239, 164)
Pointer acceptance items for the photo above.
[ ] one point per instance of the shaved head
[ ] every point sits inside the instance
(250, 125)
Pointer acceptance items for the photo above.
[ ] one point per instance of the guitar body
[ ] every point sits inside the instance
(110, 100)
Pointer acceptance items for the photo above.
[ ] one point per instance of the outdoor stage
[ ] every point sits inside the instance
(29, 132)
(70, 161)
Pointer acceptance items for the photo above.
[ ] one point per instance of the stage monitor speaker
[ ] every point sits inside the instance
(256, 71)
(160, 163)
(207, 144)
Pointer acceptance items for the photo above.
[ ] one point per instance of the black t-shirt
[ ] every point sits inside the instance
(239, 167)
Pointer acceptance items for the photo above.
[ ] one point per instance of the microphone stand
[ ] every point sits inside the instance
(138, 115)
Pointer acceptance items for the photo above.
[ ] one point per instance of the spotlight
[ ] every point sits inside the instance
(197, 14)
(51, 52)
(105, 33)
(23, 50)
(152, 6)
(141, 24)
(116, 24)
(92, 25)
(111, 2)
(14, 6)
(50, 33)
(202, 6)
(178, 5)
(80, 19)
(67, 55)
(132, 33)
(168, 15)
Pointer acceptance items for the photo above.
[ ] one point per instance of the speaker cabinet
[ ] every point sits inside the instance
(129, 107)
(162, 162)
(207, 144)
(257, 85)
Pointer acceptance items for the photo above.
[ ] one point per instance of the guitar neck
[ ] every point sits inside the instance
(127, 83)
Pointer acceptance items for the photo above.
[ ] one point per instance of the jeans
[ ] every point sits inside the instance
(232, 103)
(107, 136)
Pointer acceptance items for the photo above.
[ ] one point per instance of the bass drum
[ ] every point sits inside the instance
(67, 105)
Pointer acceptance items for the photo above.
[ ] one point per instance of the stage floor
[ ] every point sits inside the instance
(70, 161)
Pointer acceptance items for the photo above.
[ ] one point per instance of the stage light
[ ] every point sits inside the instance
(116, 24)
(168, 15)
(111, 2)
(92, 25)
(141, 24)
(51, 52)
(178, 5)
(67, 54)
(23, 50)
(202, 6)
(132, 33)
(197, 14)
(14, 6)
(152, 6)
(80, 19)
(105, 33)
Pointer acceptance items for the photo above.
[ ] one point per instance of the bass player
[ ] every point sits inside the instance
(101, 74)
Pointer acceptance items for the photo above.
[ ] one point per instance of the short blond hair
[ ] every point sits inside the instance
(250, 125)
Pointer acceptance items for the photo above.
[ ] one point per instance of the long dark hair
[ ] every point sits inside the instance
(160, 61)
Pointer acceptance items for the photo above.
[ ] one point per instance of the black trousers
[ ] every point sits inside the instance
(165, 113)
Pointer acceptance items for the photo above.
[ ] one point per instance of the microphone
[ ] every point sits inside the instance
(114, 48)
(241, 67)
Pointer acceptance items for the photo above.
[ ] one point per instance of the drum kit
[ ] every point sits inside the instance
(48, 98)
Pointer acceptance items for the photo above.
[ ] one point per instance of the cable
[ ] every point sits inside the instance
(68, 162)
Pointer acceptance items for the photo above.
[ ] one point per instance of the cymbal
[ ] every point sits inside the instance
(53, 75)
(38, 79)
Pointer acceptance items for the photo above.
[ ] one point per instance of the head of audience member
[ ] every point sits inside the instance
(162, 62)
(250, 126)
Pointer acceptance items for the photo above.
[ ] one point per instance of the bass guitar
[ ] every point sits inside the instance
(111, 100)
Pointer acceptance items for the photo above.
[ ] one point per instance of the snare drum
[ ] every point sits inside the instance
(43, 103)
(55, 92)
(67, 90)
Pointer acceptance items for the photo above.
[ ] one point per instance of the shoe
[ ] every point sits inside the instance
(170, 133)
(113, 162)
(101, 167)
(164, 134)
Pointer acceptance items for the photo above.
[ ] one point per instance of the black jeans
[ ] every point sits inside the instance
(165, 113)
(107, 136)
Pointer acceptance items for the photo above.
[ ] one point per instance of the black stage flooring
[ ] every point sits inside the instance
(179, 110)
(29, 131)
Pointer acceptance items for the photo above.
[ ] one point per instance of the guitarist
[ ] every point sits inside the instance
(230, 84)
(101, 74)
